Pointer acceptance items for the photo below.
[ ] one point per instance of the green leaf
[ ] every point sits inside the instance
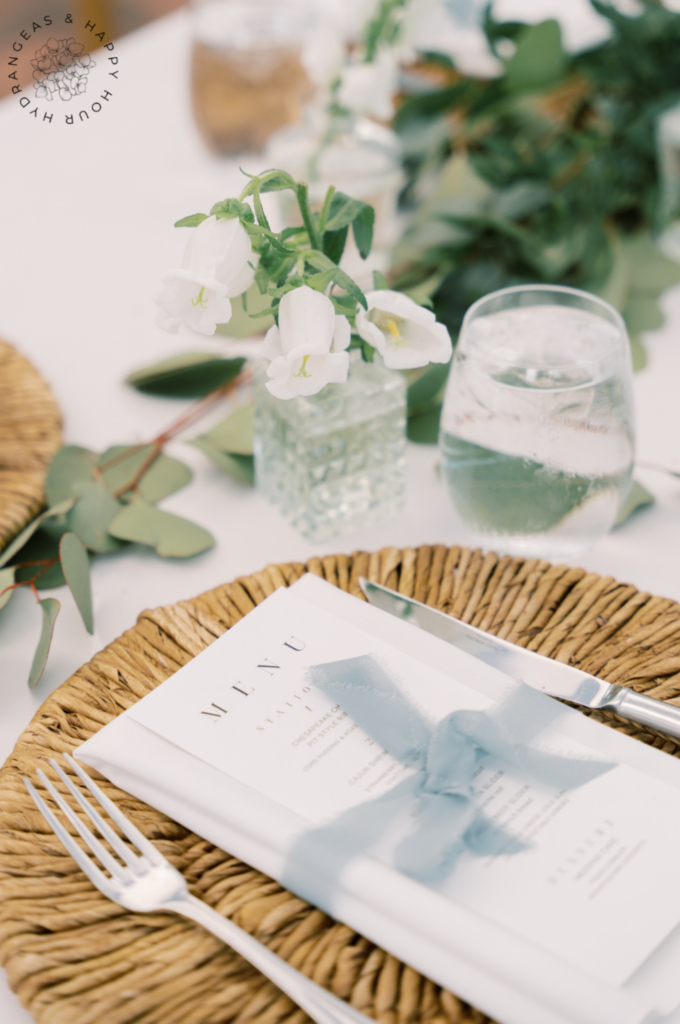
(380, 282)
(367, 352)
(240, 467)
(43, 546)
(639, 497)
(192, 221)
(362, 228)
(277, 182)
(235, 433)
(638, 352)
(76, 567)
(333, 243)
(18, 542)
(164, 476)
(426, 391)
(539, 59)
(265, 312)
(90, 517)
(320, 281)
(423, 428)
(6, 580)
(230, 208)
(321, 262)
(49, 607)
(69, 465)
(170, 535)
(343, 211)
(191, 375)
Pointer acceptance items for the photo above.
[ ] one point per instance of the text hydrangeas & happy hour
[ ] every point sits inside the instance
(63, 70)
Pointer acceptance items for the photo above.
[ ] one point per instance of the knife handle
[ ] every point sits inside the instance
(648, 711)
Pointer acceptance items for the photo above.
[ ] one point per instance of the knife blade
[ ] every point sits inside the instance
(536, 670)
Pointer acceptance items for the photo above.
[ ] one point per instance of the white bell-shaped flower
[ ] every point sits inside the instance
(214, 270)
(307, 348)
(405, 334)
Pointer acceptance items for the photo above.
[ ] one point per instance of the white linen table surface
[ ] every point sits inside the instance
(87, 231)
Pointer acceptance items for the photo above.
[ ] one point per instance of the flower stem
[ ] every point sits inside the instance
(323, 216)
(194, 413)
(307, 218)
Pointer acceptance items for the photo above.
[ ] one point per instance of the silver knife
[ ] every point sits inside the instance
(536, 670)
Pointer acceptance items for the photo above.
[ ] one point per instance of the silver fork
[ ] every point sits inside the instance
(148, 882)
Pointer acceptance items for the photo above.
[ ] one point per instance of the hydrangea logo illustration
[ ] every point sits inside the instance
(61, 68)
(56, 52)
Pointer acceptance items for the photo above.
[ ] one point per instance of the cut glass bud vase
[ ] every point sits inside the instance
(334, 461)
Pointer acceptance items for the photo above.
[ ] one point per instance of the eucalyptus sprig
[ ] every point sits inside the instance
(547, 173)
(97, 504)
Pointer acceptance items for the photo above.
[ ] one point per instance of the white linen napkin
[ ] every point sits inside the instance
(505, 975)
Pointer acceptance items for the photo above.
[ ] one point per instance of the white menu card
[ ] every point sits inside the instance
(590, 860)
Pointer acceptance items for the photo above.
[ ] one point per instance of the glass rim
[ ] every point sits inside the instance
(563, 290)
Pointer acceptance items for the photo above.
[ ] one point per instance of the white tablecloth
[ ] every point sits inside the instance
(87, 230)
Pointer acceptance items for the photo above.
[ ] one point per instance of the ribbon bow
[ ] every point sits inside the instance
(446, 818)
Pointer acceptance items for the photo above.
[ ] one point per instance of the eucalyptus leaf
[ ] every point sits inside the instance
(170, 535)
(90, 517)
(43, 546)
(380, 282)
(69, 464)
(191, 375)
(17, 544)
(49, 606)
(6, 581)
(164, 476)
(639, 497)
(76, 567)
(235, 433)
(240, 467)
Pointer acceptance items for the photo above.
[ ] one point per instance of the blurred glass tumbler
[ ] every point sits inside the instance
(247, 74)
(537, 430)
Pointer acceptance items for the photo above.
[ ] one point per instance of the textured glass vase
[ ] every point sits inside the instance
(335, 461)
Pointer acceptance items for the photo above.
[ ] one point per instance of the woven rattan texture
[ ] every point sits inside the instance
(30, 433)
(73, 957)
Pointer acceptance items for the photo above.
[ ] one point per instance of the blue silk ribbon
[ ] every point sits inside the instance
(444, 759)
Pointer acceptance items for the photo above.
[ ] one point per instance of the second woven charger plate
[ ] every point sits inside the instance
(30, 434)
(73, 957)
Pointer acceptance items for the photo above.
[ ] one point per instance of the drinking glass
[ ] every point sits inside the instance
(247, 71)
(537, 431)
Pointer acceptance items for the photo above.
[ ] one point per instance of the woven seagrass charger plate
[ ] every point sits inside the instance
(73, 957)
(30, 433)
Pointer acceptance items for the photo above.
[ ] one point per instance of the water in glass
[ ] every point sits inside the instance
(537, 434)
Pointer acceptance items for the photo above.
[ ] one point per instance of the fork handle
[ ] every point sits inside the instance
(321, 1005)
